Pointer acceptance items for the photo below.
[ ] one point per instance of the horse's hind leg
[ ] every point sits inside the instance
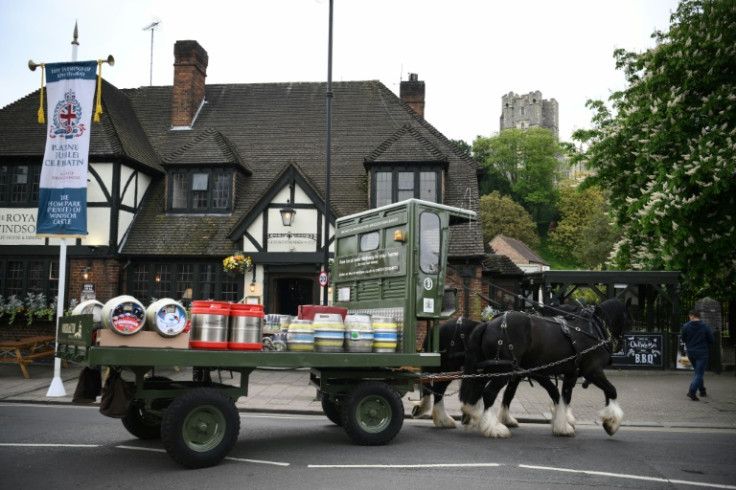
(504, 415)
(611, 415)
(471, 393)
(440, 418)
(489, 423)
(424, 406)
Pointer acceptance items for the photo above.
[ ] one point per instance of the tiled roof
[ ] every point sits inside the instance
(406, 145)
(261, 128)
(119, 133)
(501, 265)
(519, 252)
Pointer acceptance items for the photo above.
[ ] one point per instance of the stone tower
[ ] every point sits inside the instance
(529, 110)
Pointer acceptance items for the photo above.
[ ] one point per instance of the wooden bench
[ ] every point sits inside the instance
(24, 351)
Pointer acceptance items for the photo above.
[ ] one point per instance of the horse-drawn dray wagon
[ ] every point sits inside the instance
(389, 262)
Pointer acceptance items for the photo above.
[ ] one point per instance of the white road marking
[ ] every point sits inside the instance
(629, 477)
(138, 448)
(258, 461)
(29, 444)
(436, 465)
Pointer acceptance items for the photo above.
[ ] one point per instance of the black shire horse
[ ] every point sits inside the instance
(568, 347)
(454, 334)
(452, 340)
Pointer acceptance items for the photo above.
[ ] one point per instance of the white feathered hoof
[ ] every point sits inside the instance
(491, 427)
(570, 417)
(504, 416)
(471, 414)
(611, 416)
(440, 417)
(422, 408)
(560, 424)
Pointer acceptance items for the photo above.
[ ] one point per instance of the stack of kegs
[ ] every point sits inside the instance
(358, 333)
(219, 325)
(300, 335)
(329, 332)
(385, 334)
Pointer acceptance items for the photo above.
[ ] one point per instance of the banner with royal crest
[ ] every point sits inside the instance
(62, 194)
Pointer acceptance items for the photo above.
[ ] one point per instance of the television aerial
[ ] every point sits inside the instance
(152, 27)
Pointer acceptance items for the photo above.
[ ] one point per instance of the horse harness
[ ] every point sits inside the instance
(601, 333)
(460, 334)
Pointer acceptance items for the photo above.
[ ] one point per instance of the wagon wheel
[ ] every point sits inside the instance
(141, 423)
(373, 414)
(200, 428)
(331, 410)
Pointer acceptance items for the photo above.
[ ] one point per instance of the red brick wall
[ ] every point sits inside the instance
(103, 273)
(190, 71)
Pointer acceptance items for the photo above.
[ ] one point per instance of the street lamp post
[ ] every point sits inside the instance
(328, 155)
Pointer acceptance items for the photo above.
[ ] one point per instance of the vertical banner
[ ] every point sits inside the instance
(62, 196)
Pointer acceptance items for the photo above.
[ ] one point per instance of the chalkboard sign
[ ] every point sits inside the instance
(641, 351)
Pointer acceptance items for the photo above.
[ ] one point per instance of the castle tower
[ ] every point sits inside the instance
(529, 110)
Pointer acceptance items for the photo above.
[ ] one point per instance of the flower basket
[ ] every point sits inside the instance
(238, 262)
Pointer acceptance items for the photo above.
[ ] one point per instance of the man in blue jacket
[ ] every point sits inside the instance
(696, 336)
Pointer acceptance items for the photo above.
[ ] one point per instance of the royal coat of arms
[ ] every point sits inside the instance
(67, 114)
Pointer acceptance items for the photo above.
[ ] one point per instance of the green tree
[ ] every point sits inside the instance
(582, 215)
(526, 162)
(598, 238)
(667, 152)
(463, 146)
(501, 215)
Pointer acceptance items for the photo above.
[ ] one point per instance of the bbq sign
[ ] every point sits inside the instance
(640, 350)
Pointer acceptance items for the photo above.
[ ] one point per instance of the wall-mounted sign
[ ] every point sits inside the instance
(640, 350)
(386, 262)
(88, 291)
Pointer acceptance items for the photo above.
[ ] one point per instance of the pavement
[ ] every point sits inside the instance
(649, 398)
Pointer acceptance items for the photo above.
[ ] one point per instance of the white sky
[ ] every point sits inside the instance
(469, 53)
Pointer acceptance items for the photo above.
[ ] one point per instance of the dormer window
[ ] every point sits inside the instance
(200, 190)
(401, 182)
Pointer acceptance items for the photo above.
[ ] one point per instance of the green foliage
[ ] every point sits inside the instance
(34, 307)
(561, 262)
(668, 154)
(501, 215)
(526, 162)
(598, 238)
(463, 146)
(583, 232)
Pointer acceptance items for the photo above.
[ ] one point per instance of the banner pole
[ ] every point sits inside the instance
(57, 385)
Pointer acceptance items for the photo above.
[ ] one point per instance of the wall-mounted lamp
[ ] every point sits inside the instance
(287, 213)
(252, 286)
(158, 278)
(87, 272)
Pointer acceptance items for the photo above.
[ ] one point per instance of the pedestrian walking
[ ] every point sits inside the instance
(696, 335)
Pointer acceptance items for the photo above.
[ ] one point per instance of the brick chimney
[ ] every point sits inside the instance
(412, 93)
(190, 71)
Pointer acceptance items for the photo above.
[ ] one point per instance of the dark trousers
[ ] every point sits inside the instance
(699, 362)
